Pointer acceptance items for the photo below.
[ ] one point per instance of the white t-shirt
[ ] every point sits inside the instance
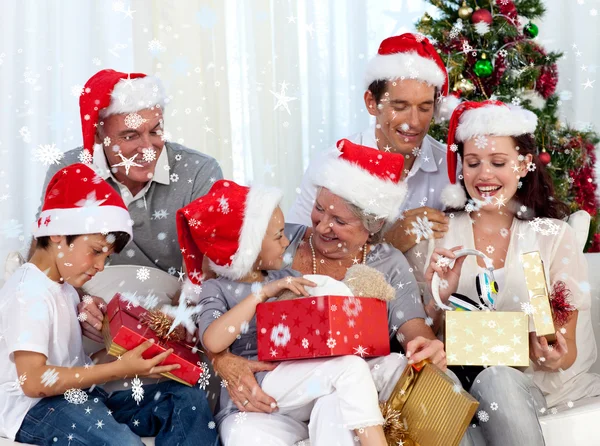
(36, 315)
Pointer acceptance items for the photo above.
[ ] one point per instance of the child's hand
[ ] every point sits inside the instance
(132, 363)
(294, 284)
(91, 323)
(440, 263)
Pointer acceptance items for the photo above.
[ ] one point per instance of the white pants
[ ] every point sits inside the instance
(336, 394)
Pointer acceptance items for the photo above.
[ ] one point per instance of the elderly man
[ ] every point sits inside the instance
(406, 82)
(124, 141)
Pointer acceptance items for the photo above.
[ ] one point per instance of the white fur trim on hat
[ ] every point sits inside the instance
(83, 220)
(404, 66)
(260, 204)
(351, 182)
(445, 108)
(495, 120)
(453, 196)
(132, 95)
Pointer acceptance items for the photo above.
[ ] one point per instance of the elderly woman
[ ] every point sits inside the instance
(359, 195)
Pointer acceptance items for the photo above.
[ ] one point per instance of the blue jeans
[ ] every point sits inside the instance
(173, 413)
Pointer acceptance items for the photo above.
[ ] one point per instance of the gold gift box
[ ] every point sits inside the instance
(539, 298)
(435, 410)
(487, 338)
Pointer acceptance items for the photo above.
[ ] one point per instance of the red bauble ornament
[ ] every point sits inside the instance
(545, 158)
(482, 15)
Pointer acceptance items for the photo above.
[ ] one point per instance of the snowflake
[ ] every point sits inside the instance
(494, 406)
(466, 47)
(216, 314)
(204, 376)
(489, 249)
(85, 157)
(174, 177)
(82, 317)
(527, 308)
(531, 166)
(155, 46)
(351, 306)
(422, 228)
(516, 101)
(25, 134)
(280, 335)
(137, 390)
(442, 261)
(143, 274)
(482, 28)
(444, 284)
(240, 417)
(87, 299)
(360, 350)
(211, 425)
(481, 142)
(118, 6)
(49, 377)
(48, 154)
(20, 381)
(160, 214)
(76, 396)
(504, 232)
(503, 53)
(331, 343)
(483, 416)
(11, 228)
(96, 61)
(133, 120)
(505, 2)
(194, 223)
(106, 141)
(76, 90)
(416, 151)
(544, 226)
(224, 205)
(224, 383)
(149, 154)
(454, 147)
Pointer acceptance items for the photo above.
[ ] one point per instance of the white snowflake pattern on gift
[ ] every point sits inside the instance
(85, 157)
(137, 390)
(142, 274)
(481, 142)
(422, 228)
(48, 154)
(223, 205)
(76, 396)
(352, 306)
(280, 335)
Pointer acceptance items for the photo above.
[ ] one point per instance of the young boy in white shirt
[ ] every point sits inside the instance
(43, 368)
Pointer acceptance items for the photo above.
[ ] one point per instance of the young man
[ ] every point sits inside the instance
(406, 83)
(49, 387)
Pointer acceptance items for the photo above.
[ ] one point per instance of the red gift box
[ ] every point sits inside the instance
(314, 327)
(123, 331)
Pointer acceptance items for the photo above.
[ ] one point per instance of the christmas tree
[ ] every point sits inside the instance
(490, 52)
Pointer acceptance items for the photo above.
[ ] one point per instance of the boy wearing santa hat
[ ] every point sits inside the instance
(48, 383)
(406, 84)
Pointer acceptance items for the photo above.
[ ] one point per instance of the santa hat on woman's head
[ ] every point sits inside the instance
(412, 56)
(227, 225)
(471, 119)
(364, 176)
(110, 92)
(78, 201)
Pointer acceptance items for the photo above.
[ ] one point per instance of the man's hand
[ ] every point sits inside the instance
(91, 323)
(416, 225)
(243, 388)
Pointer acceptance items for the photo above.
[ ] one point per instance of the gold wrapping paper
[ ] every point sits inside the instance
(435, 410)
(539, 298)
(487, 338)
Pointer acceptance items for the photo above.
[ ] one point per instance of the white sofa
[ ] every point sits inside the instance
(576, 426)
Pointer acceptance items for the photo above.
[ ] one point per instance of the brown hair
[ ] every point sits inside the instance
(121, 239)
(537, 190)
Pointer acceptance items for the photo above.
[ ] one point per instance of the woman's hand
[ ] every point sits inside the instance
(449, 277)
(421, 348)
(546, 357)
(294, 284)
(238, 373)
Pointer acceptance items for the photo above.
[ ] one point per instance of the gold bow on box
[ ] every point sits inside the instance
(427, 408)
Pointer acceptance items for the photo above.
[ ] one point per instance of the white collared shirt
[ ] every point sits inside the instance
(425, 180)
(161, 174)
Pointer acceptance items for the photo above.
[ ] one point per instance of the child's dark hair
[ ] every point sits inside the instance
(120, 240)
(537, 190)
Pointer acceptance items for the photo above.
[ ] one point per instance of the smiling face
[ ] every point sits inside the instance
(82, 259)
(403, 114)
(274, 243)
(337, 231)
(492, 169)
(131, 134)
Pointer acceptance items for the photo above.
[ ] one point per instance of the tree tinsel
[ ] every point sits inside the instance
(525, 74)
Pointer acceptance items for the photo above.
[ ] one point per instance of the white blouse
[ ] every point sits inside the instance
(557, 244)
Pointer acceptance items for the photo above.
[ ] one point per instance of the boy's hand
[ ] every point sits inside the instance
(94, 310)
(132, 363)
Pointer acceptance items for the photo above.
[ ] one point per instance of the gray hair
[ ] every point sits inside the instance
(375, 225)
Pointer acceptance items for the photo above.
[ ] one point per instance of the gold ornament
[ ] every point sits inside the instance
(393, 425)
(464, 12)
(464, 85)
(160, 324)
(426, 18)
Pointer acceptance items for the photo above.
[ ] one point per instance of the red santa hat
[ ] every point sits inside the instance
(412, 56)
(227, 225)
(110, 92)
(364, 176)
(472, 119)
(78, 201)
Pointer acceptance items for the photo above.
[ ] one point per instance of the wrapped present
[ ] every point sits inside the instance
(322, 326)
(126, 326)
(539, 298)
(427, 408)
(487, 338)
